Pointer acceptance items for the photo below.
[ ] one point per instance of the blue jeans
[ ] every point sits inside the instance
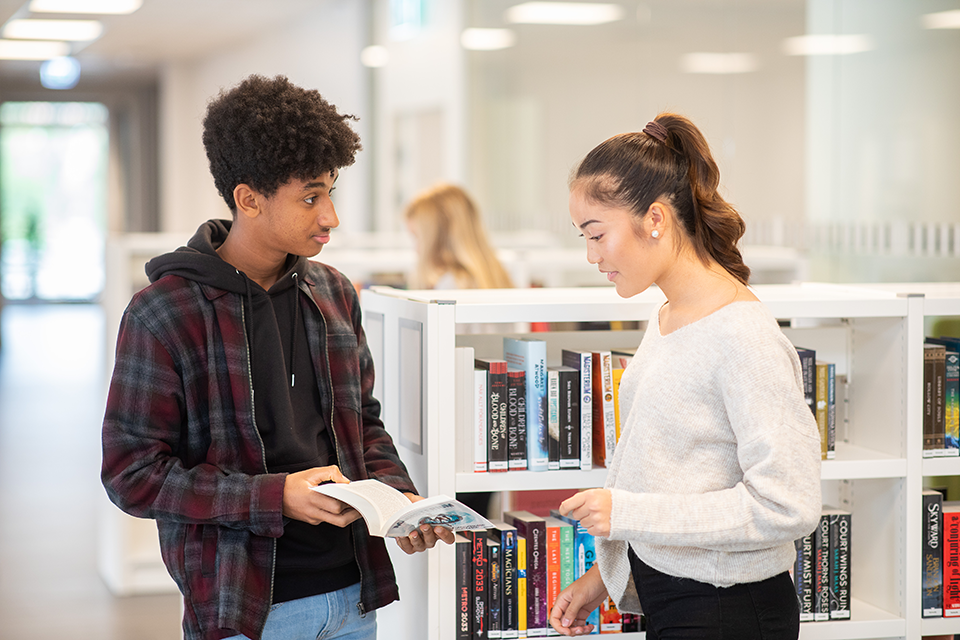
(328, 615)
(680, 608)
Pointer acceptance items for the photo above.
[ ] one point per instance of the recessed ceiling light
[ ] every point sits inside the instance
(827, 44)
(941, 20)
(487, 39)
(119, 7)
(72, 30)
(32, 49)
(719, 63)
(374, 56)
(60, 73)
(576, 13)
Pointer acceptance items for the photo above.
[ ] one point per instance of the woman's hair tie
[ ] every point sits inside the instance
(656, 130)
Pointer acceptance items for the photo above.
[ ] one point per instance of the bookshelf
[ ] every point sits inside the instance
(873, 335)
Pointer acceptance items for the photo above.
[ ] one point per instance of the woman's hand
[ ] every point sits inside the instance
(592, 508)
(301, 502)
(426, 537)
(569, 614)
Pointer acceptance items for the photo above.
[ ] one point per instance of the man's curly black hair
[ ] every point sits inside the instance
(266, 131)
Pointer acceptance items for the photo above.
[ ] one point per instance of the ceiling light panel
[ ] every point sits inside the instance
(569, 13)
(827, 44)
(719, 63)
(487, 39)
(72, 30)
(32, 49)
(941, 20)
(111, 7)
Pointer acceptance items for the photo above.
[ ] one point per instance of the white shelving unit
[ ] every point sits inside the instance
(874, 336)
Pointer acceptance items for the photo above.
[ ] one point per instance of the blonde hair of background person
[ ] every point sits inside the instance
(452, 242)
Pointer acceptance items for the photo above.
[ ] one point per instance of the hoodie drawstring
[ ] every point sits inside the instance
(296, 325)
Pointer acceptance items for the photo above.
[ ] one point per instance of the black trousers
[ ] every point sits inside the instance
(681, 608)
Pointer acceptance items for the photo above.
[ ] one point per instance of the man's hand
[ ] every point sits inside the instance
(426, 537)
(300, 502)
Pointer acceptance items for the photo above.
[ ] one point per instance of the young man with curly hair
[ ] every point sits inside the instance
(243, 379)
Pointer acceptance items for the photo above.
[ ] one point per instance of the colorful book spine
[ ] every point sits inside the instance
(496, 413)
(951, 559)
(932, 563)
(495, 588)
(933, 355)
(516, 419)
(479, 623)
(951, 386)
(831, 411)
(553, 568)
(617, 374)
(604, 413)
(610, 619)
(821, 570)
(840, 532)
(534, 530)
(530, 356)
(521, 586)
(803, 577)
(825, 372)
(569, 417)
(463, 547)
(480, 401)
(582, 361)
(553, 419)
(584, 555)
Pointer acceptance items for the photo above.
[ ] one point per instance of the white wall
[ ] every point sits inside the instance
(320, 50)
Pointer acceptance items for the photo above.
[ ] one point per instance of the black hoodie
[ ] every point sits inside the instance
(290, 407)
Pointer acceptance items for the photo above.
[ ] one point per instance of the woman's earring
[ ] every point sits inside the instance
(655, 234)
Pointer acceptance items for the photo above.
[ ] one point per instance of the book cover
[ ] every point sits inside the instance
(808, 367)
(494, 588)
(803, 577)
(821, 406)
(569, 410)
(496, 413)
(521, 586)
(821, 570)
(932, 563)
(463, 549)
(933, 355)
(604, 414)
(553, 419)
(481, 398)
(479, 557)
(582, 361)
(390, 514)
(840, 537)
(534, 531)
(951, 559)
(951, 385)
(507, 536)
(553, 568)
(530, 356)
(516, 420)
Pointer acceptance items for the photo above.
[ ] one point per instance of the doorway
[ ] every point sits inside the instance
(53, 200)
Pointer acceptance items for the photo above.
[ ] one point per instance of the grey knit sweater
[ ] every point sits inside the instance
(717, 470)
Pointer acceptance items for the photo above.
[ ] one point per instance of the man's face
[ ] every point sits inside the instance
(298, 218)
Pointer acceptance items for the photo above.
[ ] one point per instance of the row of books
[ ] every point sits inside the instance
(508, 577)
(529, 416)
(941, 397)
(941, 556)
(820, 382)
(821, 573)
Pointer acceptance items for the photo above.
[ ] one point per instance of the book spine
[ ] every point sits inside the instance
(553, 419)
(569, 419)
(521, 586)
(831, 411)
(610, 618)
(840, 528)
(566, 555)
(480, 402)
(516, 420)
(939, 375)
(932, 606)
(586, 555)
(508, 559)
(808, 368)
(952, 403)
(536, 534)
(821, 570)
(495, 581)
(803, 577)
(609, 413)
(929, 434)
(821, 406)
(481, 616)
(463, 547)
(582, 362)
(951, 564)
(617, 374)
(497, 460)
(553, 572)
(531, 357)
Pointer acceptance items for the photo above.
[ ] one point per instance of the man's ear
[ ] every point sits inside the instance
(247, 200)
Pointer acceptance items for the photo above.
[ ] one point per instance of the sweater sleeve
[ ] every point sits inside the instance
(777, 449)
(144, 428)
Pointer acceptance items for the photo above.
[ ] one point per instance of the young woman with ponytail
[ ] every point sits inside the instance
(717, 470)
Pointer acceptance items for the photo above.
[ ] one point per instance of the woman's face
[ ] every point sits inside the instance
(619, 244)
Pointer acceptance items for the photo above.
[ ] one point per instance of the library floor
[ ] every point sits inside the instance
(51, 402)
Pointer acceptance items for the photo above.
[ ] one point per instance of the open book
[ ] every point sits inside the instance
(390, 514)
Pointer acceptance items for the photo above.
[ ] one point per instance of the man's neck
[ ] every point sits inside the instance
(264, 268)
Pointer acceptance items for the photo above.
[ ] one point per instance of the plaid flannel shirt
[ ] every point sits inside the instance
(180, 443)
